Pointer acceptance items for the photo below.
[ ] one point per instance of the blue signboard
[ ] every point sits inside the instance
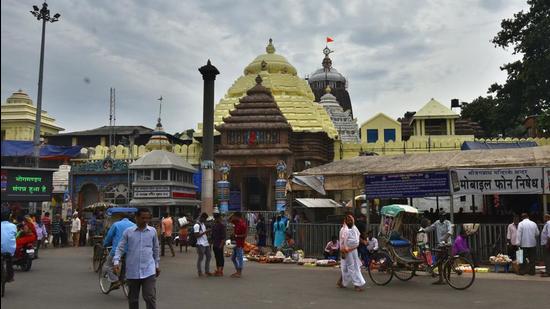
(197, 180)
(407, 185)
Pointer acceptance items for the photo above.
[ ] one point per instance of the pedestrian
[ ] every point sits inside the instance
(203, 247)
(545, 244)
(112, 239)
(218, 242)
(512, 238)
(41, 235)
(261, 232)
(48, 225)
(183, 233)
(140, 244)
(240, 233)
(527, 241)
(443, 232)
(75, 229)
(9, 232)
(166, 237)
(57, 230)
(461, 247)
(279, 231)
(350, 265)
(91, 229)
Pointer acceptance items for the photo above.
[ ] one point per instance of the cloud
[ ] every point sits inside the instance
(395, 54)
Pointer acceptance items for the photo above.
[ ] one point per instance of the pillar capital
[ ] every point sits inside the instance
(209, 71)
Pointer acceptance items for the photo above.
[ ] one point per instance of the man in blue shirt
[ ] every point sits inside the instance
(142, 260)
(9, 231)
(113, 237)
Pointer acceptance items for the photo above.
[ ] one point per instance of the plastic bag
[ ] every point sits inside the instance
(519, 256)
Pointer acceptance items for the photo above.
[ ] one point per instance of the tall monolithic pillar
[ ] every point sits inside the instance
(209, 73)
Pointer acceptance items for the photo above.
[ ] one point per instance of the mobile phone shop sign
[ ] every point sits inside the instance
(26, 185)
(407, 185)
(527, 180)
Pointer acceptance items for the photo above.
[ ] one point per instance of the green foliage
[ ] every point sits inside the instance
(527, 88)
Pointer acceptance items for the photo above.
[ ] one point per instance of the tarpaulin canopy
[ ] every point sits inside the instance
(318, 203)
(26, 149)
(395, 209)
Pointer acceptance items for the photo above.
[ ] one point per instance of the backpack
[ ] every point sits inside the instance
(192, 238)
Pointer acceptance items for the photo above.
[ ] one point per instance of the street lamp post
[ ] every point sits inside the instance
(44, 15)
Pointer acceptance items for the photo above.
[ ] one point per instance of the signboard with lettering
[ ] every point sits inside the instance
(26, 185)
(151, 192)
(407, 185)
(547, 180)
(527, 180)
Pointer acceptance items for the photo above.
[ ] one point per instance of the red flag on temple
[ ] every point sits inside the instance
(329, 39)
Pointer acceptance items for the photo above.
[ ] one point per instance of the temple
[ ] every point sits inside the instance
(343, 121)
(276, 124)
(19, 117)
(329, 76)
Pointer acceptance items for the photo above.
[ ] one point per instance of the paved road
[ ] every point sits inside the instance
(62, 278)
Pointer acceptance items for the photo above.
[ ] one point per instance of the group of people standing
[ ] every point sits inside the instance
(521, 237)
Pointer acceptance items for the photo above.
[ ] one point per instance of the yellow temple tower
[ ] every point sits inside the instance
(18, 119)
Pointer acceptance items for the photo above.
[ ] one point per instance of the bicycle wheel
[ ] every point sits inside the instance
(459, 272)
(104, 282)
(380, 268)
(404, 272)
(96, 257)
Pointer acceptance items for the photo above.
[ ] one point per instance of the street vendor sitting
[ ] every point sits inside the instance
(460, 246)
(288, 245)
(26, 234)
(332, 249)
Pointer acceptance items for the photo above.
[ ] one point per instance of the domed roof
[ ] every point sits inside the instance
(162, 159)
(327, 72)
(271, 62)
(328, 99)
(19, 97)
(292, 94)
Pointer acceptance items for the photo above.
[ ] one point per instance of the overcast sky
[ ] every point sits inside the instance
(396, 54)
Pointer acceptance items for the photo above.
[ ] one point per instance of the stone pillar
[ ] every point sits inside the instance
(223, 187)
(209, 73)
(280, 187)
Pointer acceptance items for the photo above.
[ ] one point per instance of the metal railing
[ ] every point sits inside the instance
(490, 239)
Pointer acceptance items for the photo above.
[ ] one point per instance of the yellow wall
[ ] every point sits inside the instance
(380, 122)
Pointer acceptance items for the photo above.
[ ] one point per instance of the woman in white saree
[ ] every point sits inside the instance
(350, 264)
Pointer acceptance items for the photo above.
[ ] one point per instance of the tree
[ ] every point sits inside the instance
(527, 88)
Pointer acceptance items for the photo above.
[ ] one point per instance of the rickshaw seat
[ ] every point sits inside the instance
(400, 243)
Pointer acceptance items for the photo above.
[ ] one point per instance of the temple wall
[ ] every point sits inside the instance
(447, 143)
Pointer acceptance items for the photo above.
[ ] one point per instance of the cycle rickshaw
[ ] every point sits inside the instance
(395, 257)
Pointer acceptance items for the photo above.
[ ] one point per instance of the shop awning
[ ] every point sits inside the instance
(313, 182)
(318, 203)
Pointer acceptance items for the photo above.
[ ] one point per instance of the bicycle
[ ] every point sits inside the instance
(98, 255)
(105, 285)
(458, 270)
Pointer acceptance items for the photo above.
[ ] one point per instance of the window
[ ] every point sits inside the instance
(389, 135)
(156, 174)
(163, 174)
(436, 127)
(143, 175)
(372, 135)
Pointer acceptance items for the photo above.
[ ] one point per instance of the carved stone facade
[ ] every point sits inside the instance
(343, 121)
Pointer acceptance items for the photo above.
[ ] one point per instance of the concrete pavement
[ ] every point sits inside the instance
(62, 278)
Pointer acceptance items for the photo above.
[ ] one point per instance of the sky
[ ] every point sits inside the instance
(395, 54)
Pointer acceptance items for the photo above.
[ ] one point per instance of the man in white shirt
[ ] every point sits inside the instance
(545, 244)
(75, 229)
(203, 247)
(527, 240)
(512, 237)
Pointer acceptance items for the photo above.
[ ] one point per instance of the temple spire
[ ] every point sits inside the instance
(270, 49)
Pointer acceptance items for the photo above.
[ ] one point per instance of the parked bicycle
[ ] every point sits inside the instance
(395, 257)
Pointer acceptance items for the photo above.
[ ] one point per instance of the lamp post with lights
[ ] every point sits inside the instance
(42, 14)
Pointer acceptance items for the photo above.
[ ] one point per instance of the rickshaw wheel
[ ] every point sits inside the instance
(404, 272)
(380, 268)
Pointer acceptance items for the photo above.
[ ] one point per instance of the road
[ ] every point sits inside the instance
(62, 278)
